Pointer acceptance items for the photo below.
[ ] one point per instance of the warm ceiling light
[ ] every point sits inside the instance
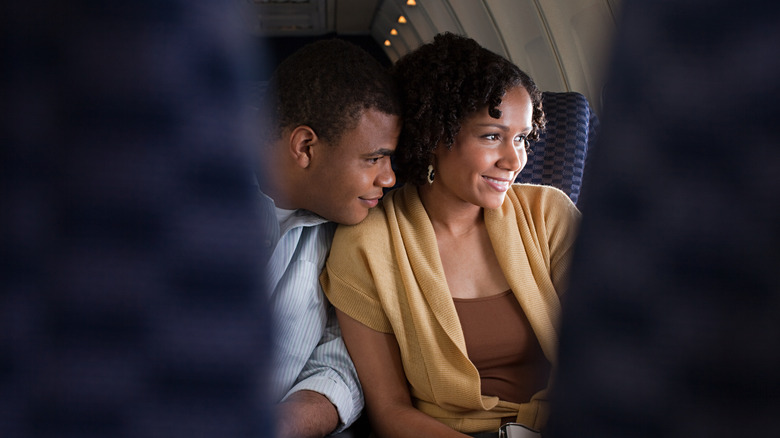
(387, 43)
(402, 19)
(411, 3)
(393, 32)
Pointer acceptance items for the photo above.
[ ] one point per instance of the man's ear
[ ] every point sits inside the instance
(302, 139)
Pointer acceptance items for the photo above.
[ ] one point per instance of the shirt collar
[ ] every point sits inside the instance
(293, 218)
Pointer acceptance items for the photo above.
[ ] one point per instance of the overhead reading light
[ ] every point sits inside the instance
(402, 19)
(387, 43)
(393, 32)
(411, 3)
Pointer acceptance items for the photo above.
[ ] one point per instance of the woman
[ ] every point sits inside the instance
(448, 294)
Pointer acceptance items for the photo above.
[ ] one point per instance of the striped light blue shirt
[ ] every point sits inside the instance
(309, 351)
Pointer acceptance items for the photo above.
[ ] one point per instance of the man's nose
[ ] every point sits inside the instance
(386, 176)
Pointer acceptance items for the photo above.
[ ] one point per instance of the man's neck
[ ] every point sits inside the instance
(279, 185)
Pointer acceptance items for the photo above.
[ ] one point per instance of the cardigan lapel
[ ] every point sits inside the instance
(440, 335)
(430, 302)
(512, 243)
(426, 274)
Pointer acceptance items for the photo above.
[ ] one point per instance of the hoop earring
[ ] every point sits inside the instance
(431, 174)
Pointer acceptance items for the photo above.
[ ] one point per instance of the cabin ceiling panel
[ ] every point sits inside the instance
(420, 22)
(528, 42)
(312, 17)
(393, 51)
(386, 19)
(430, 17)
(563, 44)
(477, 22)
(441, 16)
(401, 43)
(283, 18)
(408, 36)
(355, 16)
(592, 43)
(582, 31)
(544, 68)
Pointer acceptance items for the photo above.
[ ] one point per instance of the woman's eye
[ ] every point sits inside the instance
(522, 140)
(491, 137)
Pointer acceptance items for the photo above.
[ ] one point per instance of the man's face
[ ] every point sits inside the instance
(347, 177)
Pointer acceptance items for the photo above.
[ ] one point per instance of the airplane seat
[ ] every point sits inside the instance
(558, 157)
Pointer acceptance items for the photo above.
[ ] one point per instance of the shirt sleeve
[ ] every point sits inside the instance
(309, 353)
(330, 372)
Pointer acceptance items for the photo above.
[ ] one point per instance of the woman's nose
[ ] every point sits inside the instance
(514, 158)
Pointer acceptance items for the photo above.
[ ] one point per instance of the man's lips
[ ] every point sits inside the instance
(370, 201)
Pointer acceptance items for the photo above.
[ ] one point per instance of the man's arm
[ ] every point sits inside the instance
(306, 414)
(311, 358)
(329, 382)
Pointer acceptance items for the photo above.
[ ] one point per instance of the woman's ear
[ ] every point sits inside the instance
(302, 139)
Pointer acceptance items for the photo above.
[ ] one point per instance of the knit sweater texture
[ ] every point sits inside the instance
(386, 273)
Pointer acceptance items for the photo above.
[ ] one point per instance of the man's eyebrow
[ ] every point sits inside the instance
(381, 151)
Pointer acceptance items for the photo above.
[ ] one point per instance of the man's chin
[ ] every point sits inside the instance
(354, 220)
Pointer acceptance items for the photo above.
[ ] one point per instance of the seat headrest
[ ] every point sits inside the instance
(558, 158)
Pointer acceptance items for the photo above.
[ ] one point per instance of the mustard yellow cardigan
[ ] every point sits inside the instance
(386, 273)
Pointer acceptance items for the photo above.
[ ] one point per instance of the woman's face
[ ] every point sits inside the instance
(487, 153)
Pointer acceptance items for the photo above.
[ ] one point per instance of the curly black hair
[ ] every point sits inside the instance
(442, 83)
(326, 85)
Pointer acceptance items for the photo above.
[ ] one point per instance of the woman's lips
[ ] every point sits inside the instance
(500, 185)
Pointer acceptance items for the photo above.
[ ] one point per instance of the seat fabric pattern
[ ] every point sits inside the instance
(558, 157)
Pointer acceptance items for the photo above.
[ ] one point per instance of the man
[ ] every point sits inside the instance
(332, 122)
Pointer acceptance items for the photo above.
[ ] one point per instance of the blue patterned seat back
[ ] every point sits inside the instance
(558, 158)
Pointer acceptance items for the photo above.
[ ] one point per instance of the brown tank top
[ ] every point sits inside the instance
(502, 345)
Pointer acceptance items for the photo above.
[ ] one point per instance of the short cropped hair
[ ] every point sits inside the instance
(442, 83)
(327, 85)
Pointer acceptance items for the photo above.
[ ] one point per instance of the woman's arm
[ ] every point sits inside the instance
(377, 359)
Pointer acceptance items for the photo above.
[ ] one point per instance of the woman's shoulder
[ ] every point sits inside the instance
(355, 247)
(376, 220)
(371, 232)
(534, 193)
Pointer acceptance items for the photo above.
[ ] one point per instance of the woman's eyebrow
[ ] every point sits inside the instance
(500, 126)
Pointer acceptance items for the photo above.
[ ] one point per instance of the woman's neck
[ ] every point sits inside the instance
(448, 214)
